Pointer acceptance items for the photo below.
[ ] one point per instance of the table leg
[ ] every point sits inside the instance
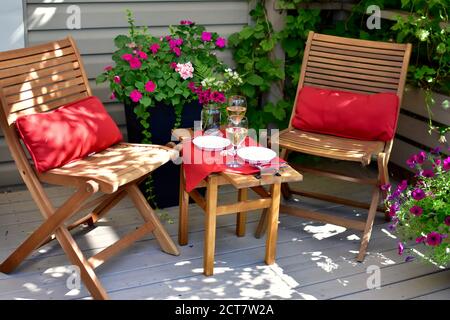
(183, 223)
(272, 224)
(210, 226)
(241, 217)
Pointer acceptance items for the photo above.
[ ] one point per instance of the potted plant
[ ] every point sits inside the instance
(421, 211)
(155, 78)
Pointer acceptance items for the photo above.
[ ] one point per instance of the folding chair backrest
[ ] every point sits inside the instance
(37, 79)
(353, 65)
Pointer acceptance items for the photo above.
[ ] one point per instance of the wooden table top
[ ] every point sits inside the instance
(287, 173)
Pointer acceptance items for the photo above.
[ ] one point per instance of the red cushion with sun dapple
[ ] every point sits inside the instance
(369, 117)
(68, 133)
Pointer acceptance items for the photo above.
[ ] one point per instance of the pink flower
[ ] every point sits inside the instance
(107, 68)
(217, 96)
(135, 95)
(172, 43)
(418, 194)
(154, 48)
(416, 210)
(135, 63)
(173, 65)
(142, 55)
(131, 45)
(421, 239)
(186, 22)
(420, 157)
(112, 96)
(116, 79)
(191, 86)
(434, 239)
(150, 86)
(221, 42)
(127, 56)
(168, 38)
(206, 36)
(186, 70)
(447, 220)
(177, 51)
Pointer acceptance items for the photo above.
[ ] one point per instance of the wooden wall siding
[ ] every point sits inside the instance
(413, 128)
(101, 21)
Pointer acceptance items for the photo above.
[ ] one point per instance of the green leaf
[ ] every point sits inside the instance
(445, 104)
(101, 78)
(255, 80)
(121, 40)
(146, 101)
(248, 90)
(171, 83)
(140, 86)
(246, 32)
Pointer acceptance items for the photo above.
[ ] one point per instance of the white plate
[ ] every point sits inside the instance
(256, 155)
(211, 142)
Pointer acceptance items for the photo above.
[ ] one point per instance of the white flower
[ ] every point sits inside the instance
(186, 70)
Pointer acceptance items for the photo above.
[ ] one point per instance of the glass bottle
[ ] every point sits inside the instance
(210, 119)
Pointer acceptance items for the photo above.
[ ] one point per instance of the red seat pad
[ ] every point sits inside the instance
(68, 133)
(347, 114)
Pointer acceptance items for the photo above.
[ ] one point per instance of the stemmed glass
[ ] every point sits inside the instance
(236, 131)
(237, 106)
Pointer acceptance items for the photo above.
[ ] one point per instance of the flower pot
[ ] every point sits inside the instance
(166, 179)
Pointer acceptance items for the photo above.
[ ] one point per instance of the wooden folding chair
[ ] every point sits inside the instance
(351, 65)
(45, 77)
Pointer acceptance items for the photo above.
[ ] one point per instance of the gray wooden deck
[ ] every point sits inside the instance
(314, 260)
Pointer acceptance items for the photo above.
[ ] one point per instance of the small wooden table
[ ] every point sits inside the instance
(270, 201)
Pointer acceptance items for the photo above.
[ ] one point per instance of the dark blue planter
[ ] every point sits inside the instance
(162, 120)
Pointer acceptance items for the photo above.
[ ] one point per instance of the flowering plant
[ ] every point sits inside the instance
(421, 211)
(150, 70)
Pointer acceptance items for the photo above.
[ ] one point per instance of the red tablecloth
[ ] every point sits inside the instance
(198, 164)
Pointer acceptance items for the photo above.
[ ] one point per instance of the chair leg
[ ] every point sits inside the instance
(369, 224)
(383, 177)
(285, 190)
(210, 226)
(77, 258)
(148, 214)
(183, 223)
(272, 224)
(49, 226)
(241, 217)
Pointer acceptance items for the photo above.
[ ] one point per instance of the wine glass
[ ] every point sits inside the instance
(237, 106)
(236, 131)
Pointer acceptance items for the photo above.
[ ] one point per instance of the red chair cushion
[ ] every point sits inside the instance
(68, 133)
(347, 114)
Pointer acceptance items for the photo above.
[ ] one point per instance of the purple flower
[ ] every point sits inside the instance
(409, 258)
(402, 186)
(393, 209)
(217, 96)
(434, 239)
(400, 248)
(416, 210)
(206, 36)
(421, 239)
(135, 95)
(385, 187)
(427, 173)
(411, 162)
(221, 42)
(392, 227)
(446, 165)
(116, 79)
(436, 150)
(420, 157)
(447, 220)
(418, 194)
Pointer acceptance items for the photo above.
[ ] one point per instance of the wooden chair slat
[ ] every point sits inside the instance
(335, 45)
(359, 42)
(342, 58)
(47, 106)
(354, 53)
(350, 75)
(363, 66)
(345, 79)
(38, 92)
(32, 60)
(35, 50)
(46, 98)
(40, 82)
(34, 75)
(353, 70)
(345, 86)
